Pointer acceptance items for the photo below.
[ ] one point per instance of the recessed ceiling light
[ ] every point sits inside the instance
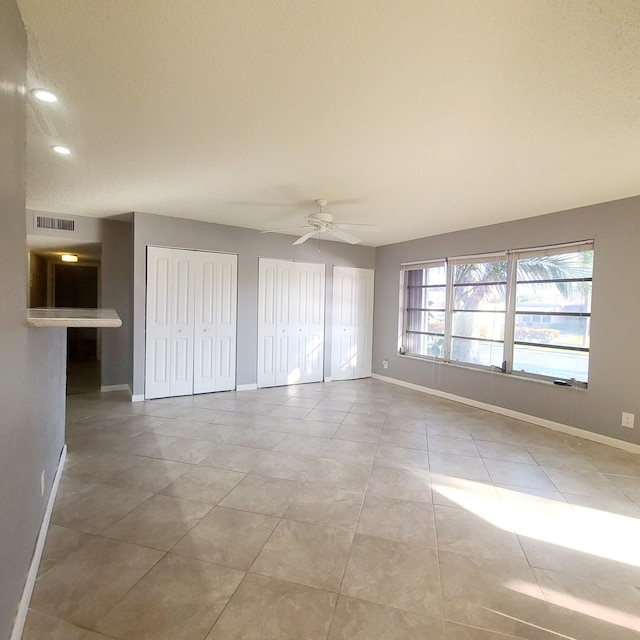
(44, 95)
(69, 257)
(61, 150)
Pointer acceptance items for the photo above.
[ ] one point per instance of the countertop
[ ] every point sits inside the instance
(57, 317)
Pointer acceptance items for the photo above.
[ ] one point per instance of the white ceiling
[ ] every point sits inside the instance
(427, 116)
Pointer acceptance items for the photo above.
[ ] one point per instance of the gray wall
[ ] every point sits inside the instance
(85, 229)
(249, 245)
(117, 276)
(116, 265)
(32, 361)
(614, 374)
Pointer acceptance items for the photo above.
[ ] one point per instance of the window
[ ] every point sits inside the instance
(478, 311)
(554, 285)
(425, 308)
(525, 312)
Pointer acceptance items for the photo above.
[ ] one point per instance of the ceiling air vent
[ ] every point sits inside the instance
(59, 224)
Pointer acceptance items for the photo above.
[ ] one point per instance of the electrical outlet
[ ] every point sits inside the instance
(385, 364)
(627, 420)
(42, 483)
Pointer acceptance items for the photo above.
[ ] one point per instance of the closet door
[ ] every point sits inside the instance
(158, 337)
(352, 323)
(183, 324)
(310, 321)
(215, 278)
(170, 323)
(364, 323)
(267, 321)
(291, 322)
(191, 322)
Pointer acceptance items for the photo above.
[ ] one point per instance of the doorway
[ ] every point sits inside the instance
(76, 286)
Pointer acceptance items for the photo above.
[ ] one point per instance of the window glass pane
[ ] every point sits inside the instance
(578, 264)
(480, 296)
(567, 331)
(477, 352)
(567, 297)
(556, 363)
(478, 324)
(428, 275)
(537, 321)
(423, 298)
(474, 272)
(425, 321)
(424, 345)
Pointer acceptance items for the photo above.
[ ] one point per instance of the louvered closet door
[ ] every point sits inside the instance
(215, 277)
(352, 323)
(291, 322)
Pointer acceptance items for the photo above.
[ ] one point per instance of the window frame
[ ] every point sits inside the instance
(509, 342)
(404, 302)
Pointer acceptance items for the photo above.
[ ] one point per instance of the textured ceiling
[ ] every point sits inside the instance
(425, 116)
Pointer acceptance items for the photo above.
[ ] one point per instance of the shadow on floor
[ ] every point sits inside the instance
(83, 377)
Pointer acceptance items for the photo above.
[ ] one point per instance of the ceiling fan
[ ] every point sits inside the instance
(323, 221)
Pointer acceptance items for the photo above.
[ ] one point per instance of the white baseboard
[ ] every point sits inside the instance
(23, 607)
(327, 379)
(137, 397)
(541, 422)
(246, 387)
(115, 387)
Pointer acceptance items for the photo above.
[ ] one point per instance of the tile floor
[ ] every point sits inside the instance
(334, 511)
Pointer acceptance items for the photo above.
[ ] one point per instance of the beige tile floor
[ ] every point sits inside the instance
(334, 511)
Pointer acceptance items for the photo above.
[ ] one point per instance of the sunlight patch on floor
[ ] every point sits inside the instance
(593, 531)
(577, 605)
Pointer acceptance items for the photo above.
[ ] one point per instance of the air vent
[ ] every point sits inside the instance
(59, 224)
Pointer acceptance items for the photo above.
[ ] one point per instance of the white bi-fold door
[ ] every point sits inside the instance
(290, 322)
(191, 322)
(352, 323)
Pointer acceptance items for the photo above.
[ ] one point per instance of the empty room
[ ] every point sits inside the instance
(319, 320)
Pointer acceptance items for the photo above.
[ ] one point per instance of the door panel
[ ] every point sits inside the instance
(226, 325)
(352, 323)
(291, 340)
(343, 351)
(158, 338)
(364, 323)
(191, 322)
(268, 339)
(215, 327)
(182, 337)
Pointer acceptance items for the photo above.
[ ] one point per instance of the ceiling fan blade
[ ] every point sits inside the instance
(356, 225)
(343, 235)
(306, 226)
(306, 236)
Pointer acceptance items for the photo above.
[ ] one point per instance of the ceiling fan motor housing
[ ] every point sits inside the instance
(320, 219)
